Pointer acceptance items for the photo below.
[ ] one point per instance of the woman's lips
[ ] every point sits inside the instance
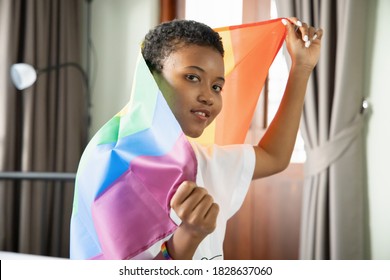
(201, 114)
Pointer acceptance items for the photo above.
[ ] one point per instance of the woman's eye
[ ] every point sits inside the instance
(217, 88)
(192, 78)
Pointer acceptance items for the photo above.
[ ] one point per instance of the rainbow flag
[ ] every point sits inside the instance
(134, 164)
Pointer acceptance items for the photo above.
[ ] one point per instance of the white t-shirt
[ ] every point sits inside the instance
(226, 173)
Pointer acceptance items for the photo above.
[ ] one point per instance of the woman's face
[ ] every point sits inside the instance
(191, 81)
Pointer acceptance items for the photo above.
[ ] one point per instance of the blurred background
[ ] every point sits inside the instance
(332, 202)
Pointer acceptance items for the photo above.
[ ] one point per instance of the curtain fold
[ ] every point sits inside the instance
(333, 215)
(42, 128)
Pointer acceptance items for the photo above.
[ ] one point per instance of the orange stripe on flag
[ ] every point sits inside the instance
(249, 52)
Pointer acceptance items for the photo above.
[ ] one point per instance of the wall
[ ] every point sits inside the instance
(117, 28)
(378, 131)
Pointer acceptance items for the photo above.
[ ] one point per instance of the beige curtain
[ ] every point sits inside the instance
(333, 217)
(42, 128)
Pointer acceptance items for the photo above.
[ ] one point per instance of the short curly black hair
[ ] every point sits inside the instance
(168, 37)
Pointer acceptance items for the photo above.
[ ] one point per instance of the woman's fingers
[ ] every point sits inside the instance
(303, 31)
(318, 34)
(195, 207)
(182, 192)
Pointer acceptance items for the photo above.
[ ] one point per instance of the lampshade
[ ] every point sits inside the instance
(23, 75)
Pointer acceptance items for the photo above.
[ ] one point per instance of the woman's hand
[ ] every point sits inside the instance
(196, 208)
(303, 43)
(198, 212)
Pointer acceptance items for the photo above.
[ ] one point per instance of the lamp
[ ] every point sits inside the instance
(24, 75)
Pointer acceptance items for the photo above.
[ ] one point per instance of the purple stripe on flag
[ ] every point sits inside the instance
(125, 231)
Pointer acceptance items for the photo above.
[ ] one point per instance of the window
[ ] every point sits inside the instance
(215, 13)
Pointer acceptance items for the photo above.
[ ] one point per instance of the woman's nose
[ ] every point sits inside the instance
(206, 97)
